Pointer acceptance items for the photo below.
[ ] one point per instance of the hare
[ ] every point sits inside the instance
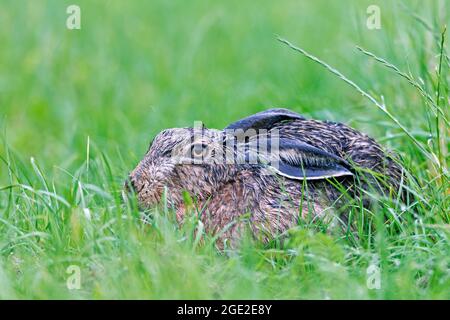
(263, 172)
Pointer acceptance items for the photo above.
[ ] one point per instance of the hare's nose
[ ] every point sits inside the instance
(130, 184)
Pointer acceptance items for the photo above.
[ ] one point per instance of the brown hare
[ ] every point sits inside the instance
(263, 172)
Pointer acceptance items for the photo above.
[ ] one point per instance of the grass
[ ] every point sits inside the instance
(78, 109)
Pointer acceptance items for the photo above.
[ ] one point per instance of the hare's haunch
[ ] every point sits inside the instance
(273, 168)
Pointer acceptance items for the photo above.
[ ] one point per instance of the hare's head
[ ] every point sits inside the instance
(180, 159)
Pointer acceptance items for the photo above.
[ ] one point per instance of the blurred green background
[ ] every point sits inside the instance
(84, 104)
(137, 67)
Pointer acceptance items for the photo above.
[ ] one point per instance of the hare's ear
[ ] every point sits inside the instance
(264, 120)
(298, 160)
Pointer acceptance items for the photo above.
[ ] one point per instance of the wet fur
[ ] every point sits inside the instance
(231, 198)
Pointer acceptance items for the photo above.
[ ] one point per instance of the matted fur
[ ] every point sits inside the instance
(234, 196)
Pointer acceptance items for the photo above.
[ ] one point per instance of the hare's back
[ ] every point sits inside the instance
(342, 141)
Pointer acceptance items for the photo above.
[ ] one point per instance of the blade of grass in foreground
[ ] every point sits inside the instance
(407, 77)
(380, 106)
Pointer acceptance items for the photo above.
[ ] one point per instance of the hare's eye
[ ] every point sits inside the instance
(198, 150)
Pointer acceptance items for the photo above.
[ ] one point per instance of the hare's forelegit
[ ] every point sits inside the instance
(264, 172)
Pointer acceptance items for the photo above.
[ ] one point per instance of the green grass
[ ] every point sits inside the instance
(78, 109)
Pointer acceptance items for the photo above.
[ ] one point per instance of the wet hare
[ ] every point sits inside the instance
(264, 172)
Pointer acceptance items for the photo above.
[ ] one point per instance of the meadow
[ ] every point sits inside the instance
(78, 109)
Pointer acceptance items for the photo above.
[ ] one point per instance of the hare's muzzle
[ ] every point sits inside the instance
(130, 190)
(130, 185)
